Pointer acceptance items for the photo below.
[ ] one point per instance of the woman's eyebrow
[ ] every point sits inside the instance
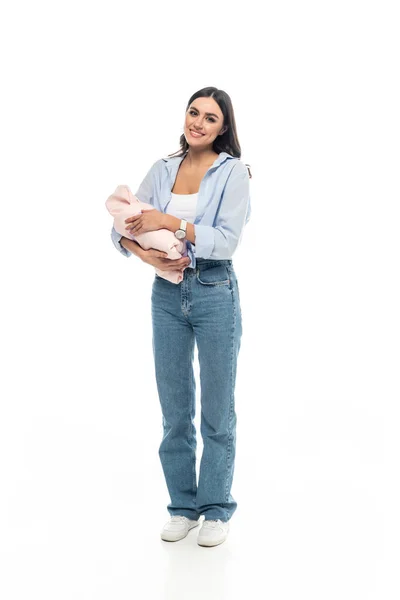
(212, 114)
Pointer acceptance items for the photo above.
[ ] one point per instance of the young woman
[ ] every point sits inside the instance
(201, 194)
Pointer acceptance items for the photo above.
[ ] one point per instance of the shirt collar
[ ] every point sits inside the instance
(176, 160)
(172, 165)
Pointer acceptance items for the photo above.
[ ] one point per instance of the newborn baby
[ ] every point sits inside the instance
(123, 204)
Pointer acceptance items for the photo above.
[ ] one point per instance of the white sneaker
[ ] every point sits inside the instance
(213, 532)
(177, 528)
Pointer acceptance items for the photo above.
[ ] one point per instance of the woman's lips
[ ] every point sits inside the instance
(197, 135)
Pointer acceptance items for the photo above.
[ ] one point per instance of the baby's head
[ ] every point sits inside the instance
(121, 200)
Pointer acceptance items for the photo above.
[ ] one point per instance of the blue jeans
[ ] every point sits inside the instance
(204, 307)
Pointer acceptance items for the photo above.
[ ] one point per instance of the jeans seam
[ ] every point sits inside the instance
(231, 399)
(190, 425)
(190, 428)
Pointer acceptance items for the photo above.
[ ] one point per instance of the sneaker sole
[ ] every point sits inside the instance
(209, 544)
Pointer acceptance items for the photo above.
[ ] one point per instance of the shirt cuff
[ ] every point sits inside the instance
(204, 235)
(191, 255)
(116, 237)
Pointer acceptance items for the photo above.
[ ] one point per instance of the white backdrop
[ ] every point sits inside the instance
(93, 94)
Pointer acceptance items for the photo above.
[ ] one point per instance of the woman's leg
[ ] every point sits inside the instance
(216, 317)
(173, 348)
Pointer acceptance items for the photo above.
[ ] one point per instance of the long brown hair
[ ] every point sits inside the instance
(228, 141)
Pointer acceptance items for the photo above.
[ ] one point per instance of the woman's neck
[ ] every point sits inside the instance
(200, 159)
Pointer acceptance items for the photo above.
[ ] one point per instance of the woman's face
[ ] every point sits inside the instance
(205, 117)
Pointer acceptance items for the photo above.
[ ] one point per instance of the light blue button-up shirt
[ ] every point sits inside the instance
(223, 204)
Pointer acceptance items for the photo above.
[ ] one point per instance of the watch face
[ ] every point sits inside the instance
(180, 234)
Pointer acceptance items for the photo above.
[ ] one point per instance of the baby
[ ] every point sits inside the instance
(123, 204)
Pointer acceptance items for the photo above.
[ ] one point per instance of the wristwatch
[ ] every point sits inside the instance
(181, 232)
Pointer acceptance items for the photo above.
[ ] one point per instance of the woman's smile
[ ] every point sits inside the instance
(195, 134)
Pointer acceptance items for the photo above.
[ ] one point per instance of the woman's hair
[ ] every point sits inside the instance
(228, 141)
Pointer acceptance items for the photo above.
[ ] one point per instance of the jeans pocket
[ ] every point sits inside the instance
(213, 275)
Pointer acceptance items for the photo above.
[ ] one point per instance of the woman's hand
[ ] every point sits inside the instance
(148, 220)
(156, 258)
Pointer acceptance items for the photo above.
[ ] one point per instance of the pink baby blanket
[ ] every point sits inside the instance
(123, 204)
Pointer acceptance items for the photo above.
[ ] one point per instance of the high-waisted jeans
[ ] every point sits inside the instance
(205, 307)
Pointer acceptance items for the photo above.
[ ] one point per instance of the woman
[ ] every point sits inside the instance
(202, 195)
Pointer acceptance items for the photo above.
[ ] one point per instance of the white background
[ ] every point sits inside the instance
(92, 95)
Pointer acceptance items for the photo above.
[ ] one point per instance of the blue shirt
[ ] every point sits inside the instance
(223, 204)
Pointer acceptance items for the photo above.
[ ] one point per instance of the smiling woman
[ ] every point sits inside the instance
(210, 208)
(204, 121)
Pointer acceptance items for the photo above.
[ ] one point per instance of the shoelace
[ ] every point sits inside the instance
(178, 518)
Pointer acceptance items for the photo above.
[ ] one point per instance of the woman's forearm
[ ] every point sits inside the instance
(173, 223)
(132, 246)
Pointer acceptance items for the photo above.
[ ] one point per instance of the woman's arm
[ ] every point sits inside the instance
(117, 238)
(221, 241)
(132, 247)
(156, 258)
(126, 246)
(173, 223)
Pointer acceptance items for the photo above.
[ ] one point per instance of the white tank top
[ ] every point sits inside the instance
(183, 206)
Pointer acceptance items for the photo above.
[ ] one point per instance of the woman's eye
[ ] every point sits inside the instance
(194, 113)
